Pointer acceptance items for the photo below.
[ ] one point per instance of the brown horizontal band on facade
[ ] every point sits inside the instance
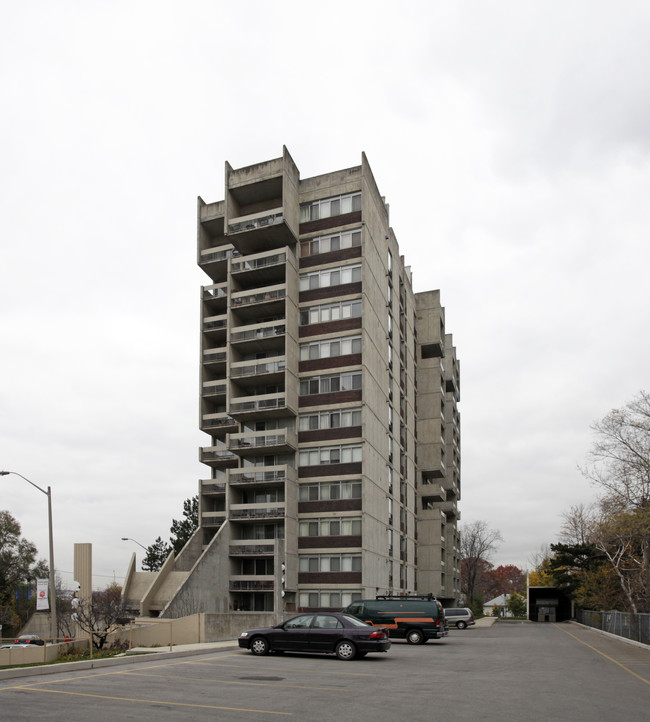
(334, 292)
(309, 507)
(344, 324)
(329, 577)
(334, 397)
(329, 542)
(343, 432)
(332, 222)
(330, 257)
(353, 467)
(332, 362)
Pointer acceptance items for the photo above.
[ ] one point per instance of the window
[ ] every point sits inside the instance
(328, 207)
(337, 526)
(330, 490)
(328, 600)
(334, 242)
(330, 277)
(330, 312)
(331, 347)
(344, 454)
(331, 419)
(348, 381)
(330, 563)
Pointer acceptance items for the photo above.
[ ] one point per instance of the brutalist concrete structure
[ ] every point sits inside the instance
(329, 398)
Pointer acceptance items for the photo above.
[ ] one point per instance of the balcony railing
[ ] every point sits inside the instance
(213, 518)
(250, 476)
(215, 323)
(257, 220)
(215, 256)
(255, 263)
(215, 355)
(255, 369)
(209, 486)
(251, 549)
(210, 293)
(250, 585)
(257, 333)
(239, 514)
(261, 404)
(256, 298)
(244, 443)
(214, 388)
(209, 454)
(218, 421)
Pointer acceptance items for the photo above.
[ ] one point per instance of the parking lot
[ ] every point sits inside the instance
(504, 672)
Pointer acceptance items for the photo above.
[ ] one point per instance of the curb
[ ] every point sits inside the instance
(130, 658)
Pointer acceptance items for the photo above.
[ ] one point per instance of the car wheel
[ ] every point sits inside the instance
(415, 636)
(259, 645)
(345, 650)
(461, 624)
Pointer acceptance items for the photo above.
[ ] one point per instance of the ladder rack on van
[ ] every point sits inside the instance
(425, 597)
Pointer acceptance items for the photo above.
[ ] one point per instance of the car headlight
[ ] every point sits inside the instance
(244, 634)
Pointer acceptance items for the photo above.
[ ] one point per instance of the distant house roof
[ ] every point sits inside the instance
(499, 601)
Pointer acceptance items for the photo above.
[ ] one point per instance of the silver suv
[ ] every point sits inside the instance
(460, 617)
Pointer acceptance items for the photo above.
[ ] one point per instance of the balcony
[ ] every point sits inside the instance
(260, 406)
(251, 550)
(217, 355)
(213, 388)
(253, 443)
(259, 338)
(212, 487)
(216, 296)
(263, 303)
(255, 512)
(217, 457)
(259, 270)
(216, 327)
(213, 519)
(260, 231)
(433, 492)
(251, 585)
(214, 261)
(268, 371)
(218, 424)
(450, 509)
(262, 475)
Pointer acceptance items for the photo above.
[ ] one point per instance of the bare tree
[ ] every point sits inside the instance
(577, 525)
(103, 615)
(477, 543)
(619, 462)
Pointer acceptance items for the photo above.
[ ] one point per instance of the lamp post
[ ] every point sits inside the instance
(128, 538)
(53, 621)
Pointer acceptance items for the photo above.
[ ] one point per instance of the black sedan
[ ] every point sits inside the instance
(340, 634)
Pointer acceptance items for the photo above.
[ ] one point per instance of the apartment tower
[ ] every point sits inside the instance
(329, 396)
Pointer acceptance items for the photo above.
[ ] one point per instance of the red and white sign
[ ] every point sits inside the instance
(42, 602)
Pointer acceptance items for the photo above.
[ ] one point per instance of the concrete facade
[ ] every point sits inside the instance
(329, 394)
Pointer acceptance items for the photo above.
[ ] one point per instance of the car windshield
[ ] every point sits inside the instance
(353, 620)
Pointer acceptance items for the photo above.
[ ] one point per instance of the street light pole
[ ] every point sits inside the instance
(53, 620)
(128, 538)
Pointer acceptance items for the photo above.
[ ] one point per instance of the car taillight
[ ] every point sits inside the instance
(437, 622)
(378, 634)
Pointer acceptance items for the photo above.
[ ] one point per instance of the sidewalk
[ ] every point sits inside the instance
(136, 654)
(486, 621)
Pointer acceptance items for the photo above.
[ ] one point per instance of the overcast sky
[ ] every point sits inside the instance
(511, 140)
